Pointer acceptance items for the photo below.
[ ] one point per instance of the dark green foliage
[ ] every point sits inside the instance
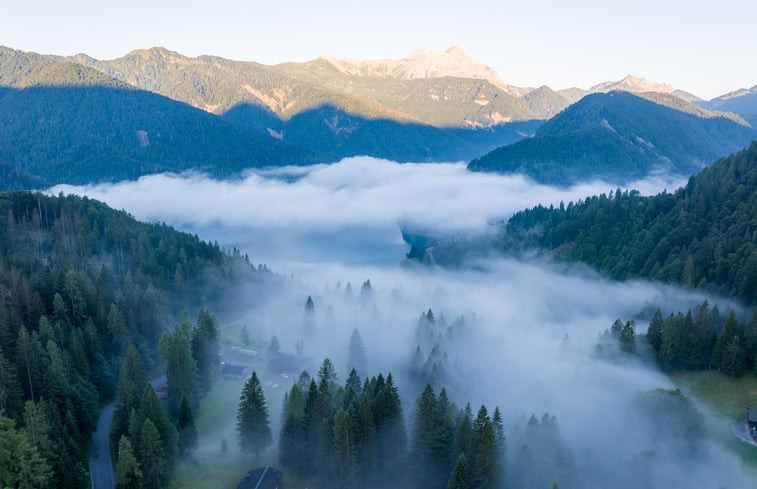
(327, 373)
(15, 178)
(703, 235)
(654, 332)
(627, 337)
(152, 456)
(21, 463)
(181, 368)
(205, 349)
(101, 129)
(253, 430)
(128, 473)
(618, 137)
(11, 394)
(187, 430)
(458, 479)
(351, 436)
(86, 291)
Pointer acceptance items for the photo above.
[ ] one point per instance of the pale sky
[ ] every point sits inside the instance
(704, 47)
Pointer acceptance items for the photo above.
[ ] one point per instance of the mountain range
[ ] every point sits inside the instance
(61, 118)
(621, 137)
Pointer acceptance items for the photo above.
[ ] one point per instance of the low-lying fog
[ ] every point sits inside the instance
(527, 343)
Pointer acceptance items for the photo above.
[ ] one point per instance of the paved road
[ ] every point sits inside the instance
(100, 461)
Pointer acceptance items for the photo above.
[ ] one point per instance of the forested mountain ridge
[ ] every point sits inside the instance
(73, 124)
(79, 120)
(81, 283)
(618, 137)
(703, 235)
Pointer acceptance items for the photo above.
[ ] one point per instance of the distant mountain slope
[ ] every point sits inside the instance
(545, 102)
(742, 102)
(703, 235)
(450, 96)
(76, 125)
(618, 137)
(13, 177)
(636, 84)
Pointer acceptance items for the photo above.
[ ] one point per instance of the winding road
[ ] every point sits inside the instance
(100, 462)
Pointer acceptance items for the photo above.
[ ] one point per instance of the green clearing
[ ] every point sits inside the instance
(727, 399)
(216, 419)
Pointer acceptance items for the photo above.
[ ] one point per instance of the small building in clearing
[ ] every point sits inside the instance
(751, 419)
(262, 478)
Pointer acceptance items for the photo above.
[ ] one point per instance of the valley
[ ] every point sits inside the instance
(230, 262)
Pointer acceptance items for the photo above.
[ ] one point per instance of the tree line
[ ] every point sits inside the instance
(353, 435)
(703, 338)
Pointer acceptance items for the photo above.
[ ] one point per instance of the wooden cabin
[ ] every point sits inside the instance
(751, 419)
(262, 478)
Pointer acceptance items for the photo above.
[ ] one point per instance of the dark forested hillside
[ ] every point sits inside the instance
(618, 137)
(703, 235)
(81, 283)
(72, 127)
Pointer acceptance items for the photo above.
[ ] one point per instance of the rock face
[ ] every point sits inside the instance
(636, 84)
(423, 64)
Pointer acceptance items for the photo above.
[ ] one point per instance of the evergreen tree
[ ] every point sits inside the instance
(181, 368)
(627, 337)
(151, 409)
(11, 394)
(187, 430)
(732, 362)
(458, 479)
(128, 473)
(345, 451)
(356, 354)
(499, 433)
(253, 429)
(728, 332)
(152, 457)
(486, 474)
(132, 380)
(327, 373)
(205, 349)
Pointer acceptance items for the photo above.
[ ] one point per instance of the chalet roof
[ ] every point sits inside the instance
(231, 369)
(751, 415)
(262, 478)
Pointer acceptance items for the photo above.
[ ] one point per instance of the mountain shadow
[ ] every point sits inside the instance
(92, 133)
(336, 133)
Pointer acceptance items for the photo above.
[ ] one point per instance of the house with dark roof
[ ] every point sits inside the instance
(751, 419)
(262, 478)
(233, 372)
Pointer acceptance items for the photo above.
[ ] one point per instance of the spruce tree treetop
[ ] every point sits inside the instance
(253, 429)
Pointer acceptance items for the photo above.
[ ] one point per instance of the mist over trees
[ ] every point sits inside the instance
(85, 294)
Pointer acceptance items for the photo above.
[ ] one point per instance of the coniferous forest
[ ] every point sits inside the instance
(702, 235)
(86, 292)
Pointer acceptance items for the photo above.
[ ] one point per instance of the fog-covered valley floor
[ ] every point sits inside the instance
(521, 336)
